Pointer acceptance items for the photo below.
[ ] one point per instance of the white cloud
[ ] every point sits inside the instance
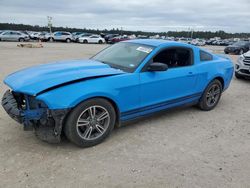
(147, 15)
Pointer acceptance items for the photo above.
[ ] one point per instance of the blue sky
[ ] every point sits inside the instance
(146, 15)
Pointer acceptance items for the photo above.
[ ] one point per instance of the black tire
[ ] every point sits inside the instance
(85, 41)
(21, 40)
(68, 40)
(100, 42)
(238, 76)
(204, 101)
(72, 130)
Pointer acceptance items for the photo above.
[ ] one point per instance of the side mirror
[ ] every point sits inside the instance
(157, 67)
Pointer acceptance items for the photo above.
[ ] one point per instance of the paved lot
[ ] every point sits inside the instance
(180, 148)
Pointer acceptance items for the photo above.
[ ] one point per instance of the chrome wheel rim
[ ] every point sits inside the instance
(213, 95)
(93, 122)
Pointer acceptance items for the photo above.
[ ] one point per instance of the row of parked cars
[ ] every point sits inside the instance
(61, 36)
(239, 47)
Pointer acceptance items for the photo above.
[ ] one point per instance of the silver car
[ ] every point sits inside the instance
(61, 36)
(242, 67)
(13, 36)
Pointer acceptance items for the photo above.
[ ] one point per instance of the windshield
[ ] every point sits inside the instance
(124, 56)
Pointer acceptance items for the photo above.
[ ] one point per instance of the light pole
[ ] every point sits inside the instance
(49, 24)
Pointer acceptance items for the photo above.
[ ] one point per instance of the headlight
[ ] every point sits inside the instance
(241, 58)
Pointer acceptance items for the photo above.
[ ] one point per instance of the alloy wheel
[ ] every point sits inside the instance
(93, 122)
(213, 95)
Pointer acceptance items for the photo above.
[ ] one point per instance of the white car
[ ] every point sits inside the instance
(92, 39)
(198, 42)
(34, 35)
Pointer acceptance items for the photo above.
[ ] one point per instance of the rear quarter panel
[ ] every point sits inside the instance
(209, 70)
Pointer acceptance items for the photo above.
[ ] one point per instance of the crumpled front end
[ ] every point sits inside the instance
(35, 115)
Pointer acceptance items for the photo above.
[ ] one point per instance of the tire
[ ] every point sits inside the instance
(84, 129)
(85, 41)
(100, 42)
(209, 99)
(21, 40)
(68, 40)
(238, 76)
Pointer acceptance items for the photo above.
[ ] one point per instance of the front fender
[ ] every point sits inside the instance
(70, 95)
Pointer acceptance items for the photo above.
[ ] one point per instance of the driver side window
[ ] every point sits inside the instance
(175, 57)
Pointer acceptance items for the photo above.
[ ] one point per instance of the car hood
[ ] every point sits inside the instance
(43, 77)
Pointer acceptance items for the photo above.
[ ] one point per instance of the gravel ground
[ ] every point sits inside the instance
(180, 148)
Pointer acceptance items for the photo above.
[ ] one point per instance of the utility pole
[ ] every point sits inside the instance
(50, 24)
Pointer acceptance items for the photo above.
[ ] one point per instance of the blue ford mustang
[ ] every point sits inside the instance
(85, 99)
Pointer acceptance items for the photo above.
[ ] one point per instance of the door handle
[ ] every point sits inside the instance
(190, 74)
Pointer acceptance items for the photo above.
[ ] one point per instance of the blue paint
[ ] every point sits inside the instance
(135, 94)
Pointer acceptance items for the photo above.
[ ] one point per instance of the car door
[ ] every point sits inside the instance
(162, 89)
(57, 35)
(93, 39)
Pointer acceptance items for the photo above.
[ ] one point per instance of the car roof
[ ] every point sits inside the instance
(158, 42)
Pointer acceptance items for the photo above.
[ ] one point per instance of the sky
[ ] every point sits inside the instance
(144, 15)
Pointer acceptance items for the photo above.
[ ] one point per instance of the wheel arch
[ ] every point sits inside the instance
(221, 81)
(110, 100)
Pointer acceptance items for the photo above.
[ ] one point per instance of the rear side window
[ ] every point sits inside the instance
(204, 56)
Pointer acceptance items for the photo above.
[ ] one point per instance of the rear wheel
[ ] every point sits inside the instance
(85, 41)
(21, 40)
(211, 95)
(90, 122)
(100, 42)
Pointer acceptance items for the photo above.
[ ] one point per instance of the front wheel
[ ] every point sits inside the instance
(68, 40)
(90, 122)
(211, 95)
(100, 41)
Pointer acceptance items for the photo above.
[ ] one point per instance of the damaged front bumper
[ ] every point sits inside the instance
(35, 115)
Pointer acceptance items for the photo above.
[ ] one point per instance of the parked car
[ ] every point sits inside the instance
(60, 36)
(128, 80)
(242, 67)
(82, 35)
(43, 36)
(118, 39)
(13, 36)
(198, 42)
(109, 36)
(238, 48)
(34, 35)
(92, 39)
